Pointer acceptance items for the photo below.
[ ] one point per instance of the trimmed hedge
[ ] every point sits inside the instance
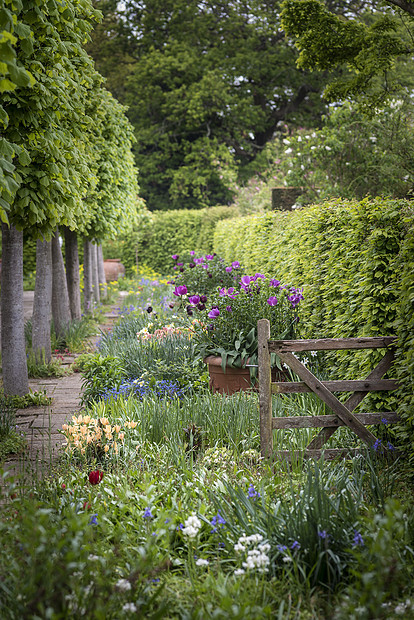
(355, 261)
(167, 233)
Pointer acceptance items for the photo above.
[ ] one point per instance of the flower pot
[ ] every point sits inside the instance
(113, 269)
(234, 379)
(229, 382)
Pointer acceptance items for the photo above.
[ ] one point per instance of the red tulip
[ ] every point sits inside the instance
(95, 476)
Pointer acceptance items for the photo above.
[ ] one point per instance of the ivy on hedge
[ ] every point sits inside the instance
(355, 261)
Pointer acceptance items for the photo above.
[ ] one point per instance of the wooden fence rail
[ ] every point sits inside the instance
(342, 412)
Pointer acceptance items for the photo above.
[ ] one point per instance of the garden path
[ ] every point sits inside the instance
(41, 424)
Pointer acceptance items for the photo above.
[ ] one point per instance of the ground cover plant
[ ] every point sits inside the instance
(162, 506)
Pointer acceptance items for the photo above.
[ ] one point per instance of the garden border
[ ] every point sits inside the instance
(343, 415)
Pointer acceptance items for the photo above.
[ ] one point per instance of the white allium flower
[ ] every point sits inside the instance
(201, 562)
(129, 607)
(123, 585)
(239, 548)
(287, 559)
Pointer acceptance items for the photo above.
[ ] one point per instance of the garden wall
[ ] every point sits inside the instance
(355, 261)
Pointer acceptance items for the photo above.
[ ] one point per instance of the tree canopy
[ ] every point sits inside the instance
(372, 49)
(207, 84)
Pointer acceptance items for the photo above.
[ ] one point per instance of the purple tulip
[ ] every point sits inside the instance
(245, 281)
(229, 269)
(222, 292)
(274, 282)
(201, 307)
(214, 313)
(203, 299)
(235, 264)
(209, 256)
(180, 264)
(175, 257)
(192, 253)
(194, 299)
(180, 290)
(272, 301)
(228, 308)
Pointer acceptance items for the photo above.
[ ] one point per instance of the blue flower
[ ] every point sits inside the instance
(217, 520)
(281, 548)
(323, 534)
(94, 519)
(377, 445)
(295, 545)
(358, 540)
(252, 493)
(147, 513)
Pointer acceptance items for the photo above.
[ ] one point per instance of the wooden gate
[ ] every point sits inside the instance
(342, 412)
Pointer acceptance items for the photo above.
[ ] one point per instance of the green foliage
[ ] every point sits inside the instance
(366, 49)
(204, 95)
(12, 443)
(353, 156)
(348, 257)
(32, 399)
(37, 366)
(99, 374)
(168, 233)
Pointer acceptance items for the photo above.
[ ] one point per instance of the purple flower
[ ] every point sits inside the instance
(201, 306)
(272, 301)
(257, 276)
(323, 534)
(222, 292)
(217, 520)
(175, 257)
(180, 290)
(295, 545)
(281, 548)
(377, 445)
(229, 309)
(180, 264)
(147, 513)
(245, 280)
(191, 265)
(94, 519)
(209, 256)
(192, 253)
(358, 540)
(384, 421)
(252, 492)
(214, 313)
(194, 299)
(229, 269)
(235, 264)
(274, 282)
(203, 299)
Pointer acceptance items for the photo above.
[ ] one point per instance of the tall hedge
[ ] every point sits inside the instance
(165, 233)
(355, 262)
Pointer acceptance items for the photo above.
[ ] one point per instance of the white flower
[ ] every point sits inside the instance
(191, 527)
(123, 585)
(289, 150)
(92, 558)
(328, 148)
(239, 571)
(286, 141)
(287, 558)
(129, 607)
(201, 562)
(238, 547)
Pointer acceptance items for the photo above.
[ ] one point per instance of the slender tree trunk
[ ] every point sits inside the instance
(42, 305)
(95, 278)
(101, 274)
(87, 277)
(72, 272)
(60, 295)
(13, 347)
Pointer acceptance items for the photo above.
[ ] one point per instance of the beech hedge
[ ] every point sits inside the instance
(168, 232)
(355, 261)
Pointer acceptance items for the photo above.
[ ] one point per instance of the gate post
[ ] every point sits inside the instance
(265, 388)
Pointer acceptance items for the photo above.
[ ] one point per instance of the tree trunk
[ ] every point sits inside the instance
(87, 277)
(95, 278)
(101, 274)
(42, 305)
(72, 273)
(60, 295)
(13, 347)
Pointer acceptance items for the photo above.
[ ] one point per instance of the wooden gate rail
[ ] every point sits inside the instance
(342, 412)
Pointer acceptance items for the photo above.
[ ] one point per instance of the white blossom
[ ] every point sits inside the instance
(201, 562)
(123, 585)
(239, 571)
(129, 607)
(191, 527)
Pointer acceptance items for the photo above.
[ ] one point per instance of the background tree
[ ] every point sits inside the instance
(373, 50)
(207, 85)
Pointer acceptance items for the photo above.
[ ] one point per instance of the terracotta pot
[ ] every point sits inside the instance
(113, 269)
(234, 379)
(229, 382)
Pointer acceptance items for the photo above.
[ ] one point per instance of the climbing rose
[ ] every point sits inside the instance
(95, 476)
